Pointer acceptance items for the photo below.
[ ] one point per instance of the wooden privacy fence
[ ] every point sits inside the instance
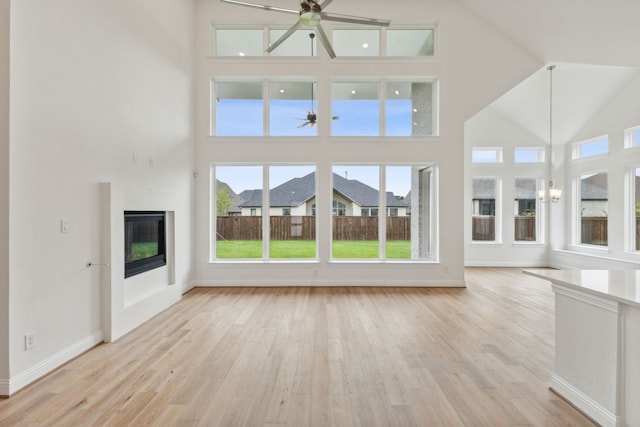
(304, 228)
(525, 229)
(594, 230)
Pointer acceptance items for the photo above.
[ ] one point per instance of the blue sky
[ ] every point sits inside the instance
(244, 117)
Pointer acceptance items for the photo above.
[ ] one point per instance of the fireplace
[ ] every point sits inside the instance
(144, 241)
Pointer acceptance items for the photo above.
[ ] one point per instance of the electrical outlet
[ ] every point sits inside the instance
(30, 341)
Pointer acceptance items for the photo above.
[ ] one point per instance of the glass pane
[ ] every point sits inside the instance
(239, 43)
(239, 109)
(485, 155)
(238, 209)
(291, 109)
(484, 209)
(594, 208)
(355, 188)
(594, 148)
(410, 42)
(356, 42)
(358, 107)
(409, 212)
(292, 223)
(297, 44)
(409, 109)
(529, 155)
(636, 138)
(524, 209)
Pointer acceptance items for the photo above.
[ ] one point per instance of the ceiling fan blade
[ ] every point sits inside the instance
(261, 6)
(354, 19)
(325, 41)
(285, 36)
(325, 3)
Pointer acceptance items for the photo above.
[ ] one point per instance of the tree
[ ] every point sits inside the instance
(223, 201)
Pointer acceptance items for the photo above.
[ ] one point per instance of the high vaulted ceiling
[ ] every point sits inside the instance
(595, 45)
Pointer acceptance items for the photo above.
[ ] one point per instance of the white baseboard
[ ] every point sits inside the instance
(584, 403)
(9, 387)
(332, 282)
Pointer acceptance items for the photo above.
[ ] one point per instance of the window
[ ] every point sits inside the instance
(529, 155)
(590, 148)
(484, 192)
(290, 104)
(356, 42)
(358, 106)
(409, 204)
(594, 201)
(486, 155)
(239, 42)
(400, 42)
(525, 209)
(298, 44)
(238, 206)
(409, 109)
(408, 42)
(238, 109)
(339, 208)
(632, 137)
(292, 227)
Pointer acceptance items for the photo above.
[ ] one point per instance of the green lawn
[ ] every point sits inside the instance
(143, 250)
(302, 249)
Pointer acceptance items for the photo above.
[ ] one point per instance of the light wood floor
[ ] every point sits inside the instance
(480, 356)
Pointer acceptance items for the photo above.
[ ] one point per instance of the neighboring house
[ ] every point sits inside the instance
(594, 196)
(484, 196)
(296, 197)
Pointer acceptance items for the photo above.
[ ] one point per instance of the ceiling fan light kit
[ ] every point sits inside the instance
(311, 15)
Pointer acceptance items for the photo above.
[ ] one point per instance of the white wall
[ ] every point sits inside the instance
(4, 195)
(469, 80)
(616, 115)
(489, 128)
(100, 92)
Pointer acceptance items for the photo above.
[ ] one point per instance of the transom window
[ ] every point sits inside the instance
(591, 147)
(486, 155)
(367, 42)
(529, 155)
(632, 137)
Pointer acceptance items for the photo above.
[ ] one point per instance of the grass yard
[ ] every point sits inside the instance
(143, 250)
(303, 249)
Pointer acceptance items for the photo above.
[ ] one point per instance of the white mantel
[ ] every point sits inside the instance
(597, 360)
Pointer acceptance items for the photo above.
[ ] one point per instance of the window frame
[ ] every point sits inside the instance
(577, 147)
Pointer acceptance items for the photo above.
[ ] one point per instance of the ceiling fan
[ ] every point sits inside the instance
(310, 15)
(311, 115)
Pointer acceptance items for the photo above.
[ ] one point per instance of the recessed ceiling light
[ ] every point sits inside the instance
(397, 92)
(281, 90)
(415, 110)
(241, 54)
(353, 92)
(365, 45)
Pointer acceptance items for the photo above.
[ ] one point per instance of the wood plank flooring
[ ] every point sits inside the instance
(480, 356)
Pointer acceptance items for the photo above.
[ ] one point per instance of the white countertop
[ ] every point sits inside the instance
(618, 285)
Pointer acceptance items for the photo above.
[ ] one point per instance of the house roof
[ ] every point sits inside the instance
(298, 191)
(594, 187)
(484, 188)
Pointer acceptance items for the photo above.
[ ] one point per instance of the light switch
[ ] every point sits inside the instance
(65, 226)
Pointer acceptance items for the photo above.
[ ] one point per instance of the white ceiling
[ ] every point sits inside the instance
(579, 92)
(595, 45)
